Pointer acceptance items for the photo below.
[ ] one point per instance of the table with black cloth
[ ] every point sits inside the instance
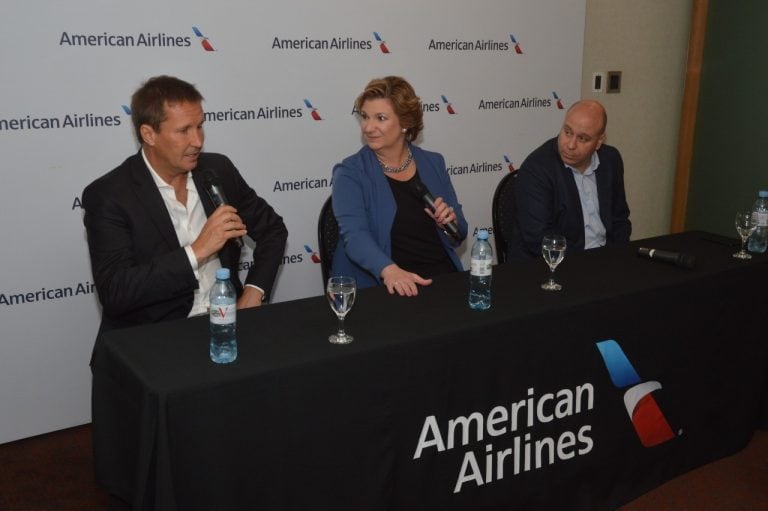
(436, 406)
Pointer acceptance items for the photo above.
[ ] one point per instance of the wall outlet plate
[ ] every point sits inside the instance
(598, 82)
(613, 82)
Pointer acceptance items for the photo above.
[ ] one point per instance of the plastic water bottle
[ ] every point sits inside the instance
(223, 317)
(759, 239)
(480, 272)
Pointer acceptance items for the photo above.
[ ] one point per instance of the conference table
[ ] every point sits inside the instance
(582, 399)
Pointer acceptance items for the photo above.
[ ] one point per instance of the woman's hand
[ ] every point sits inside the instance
(442, 214)
(402, 282)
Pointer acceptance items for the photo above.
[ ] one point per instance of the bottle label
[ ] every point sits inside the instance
(480, 267)
(223, 314)
(760, 218)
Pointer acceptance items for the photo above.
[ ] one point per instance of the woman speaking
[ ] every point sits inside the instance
(388, 232)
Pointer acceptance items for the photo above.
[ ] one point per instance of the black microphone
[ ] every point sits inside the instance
(216, 194)
(676, 258)
(421, 191)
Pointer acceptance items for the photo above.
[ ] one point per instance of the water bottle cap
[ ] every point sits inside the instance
(222, 274)
(482, 234)
(763, 194)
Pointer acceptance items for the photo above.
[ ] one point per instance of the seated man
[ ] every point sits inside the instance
(155, 236)
(572, 185)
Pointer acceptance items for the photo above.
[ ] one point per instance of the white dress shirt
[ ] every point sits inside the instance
(188, 220)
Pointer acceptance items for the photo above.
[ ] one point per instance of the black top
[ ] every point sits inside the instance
(416, 246)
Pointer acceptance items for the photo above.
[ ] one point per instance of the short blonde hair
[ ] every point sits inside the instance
(405, 102)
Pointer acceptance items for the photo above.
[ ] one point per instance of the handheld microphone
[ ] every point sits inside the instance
(678, 259)
(216, 194)
(451, 228)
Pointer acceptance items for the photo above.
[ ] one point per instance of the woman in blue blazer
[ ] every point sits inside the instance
(388, 236)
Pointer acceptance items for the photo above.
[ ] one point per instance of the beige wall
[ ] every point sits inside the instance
(648, 42)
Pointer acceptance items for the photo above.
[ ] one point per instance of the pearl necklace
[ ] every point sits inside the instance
(395, 170)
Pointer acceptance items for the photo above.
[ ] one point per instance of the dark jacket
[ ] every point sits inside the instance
(547, 201)
(141, 273)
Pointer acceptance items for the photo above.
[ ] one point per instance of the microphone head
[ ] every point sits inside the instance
(213, 188)
(418, 186)
(209, 178)
(686, 261)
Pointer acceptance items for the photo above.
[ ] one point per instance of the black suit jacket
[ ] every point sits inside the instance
(142, 274)
(547, 201)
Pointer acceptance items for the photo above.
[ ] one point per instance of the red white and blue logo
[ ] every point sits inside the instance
(312, 254)
(558, 101)
(510, 165)
(649, 421)
(313, 111)
(382, 43)
(516, 45)
(204, 42)
(448, 105)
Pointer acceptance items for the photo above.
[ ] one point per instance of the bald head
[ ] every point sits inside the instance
(582, 134)
(591, 108)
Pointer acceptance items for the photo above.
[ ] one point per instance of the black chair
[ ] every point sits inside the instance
(503, 215)
(327, 238)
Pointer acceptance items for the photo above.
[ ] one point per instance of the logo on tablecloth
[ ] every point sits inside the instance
(649, 421)
(509, 439)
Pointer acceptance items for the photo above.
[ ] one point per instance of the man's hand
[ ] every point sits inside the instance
(251, 297)
(221, 226)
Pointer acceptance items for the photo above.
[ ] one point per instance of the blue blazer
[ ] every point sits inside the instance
(547, 201)
(365, 210)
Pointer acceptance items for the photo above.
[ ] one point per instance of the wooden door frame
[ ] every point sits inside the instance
(688, 114)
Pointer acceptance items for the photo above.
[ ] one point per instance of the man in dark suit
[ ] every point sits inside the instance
(155, 235)
(572, 185)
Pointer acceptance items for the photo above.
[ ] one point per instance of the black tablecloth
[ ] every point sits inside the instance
(436, 406)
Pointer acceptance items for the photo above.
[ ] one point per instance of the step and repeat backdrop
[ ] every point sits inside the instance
(279, 80)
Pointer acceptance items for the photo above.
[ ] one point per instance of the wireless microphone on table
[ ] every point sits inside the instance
(678, 259)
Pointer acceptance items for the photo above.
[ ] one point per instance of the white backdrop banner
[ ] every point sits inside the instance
(279, 80)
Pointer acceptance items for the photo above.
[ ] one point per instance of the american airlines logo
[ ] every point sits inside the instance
(649, 421)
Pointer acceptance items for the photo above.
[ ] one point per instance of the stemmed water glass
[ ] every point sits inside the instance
(553, 250)
(341, 295)
(745, 225)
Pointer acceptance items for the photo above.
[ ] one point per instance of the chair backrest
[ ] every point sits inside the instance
(503, 215)
(327, 238)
